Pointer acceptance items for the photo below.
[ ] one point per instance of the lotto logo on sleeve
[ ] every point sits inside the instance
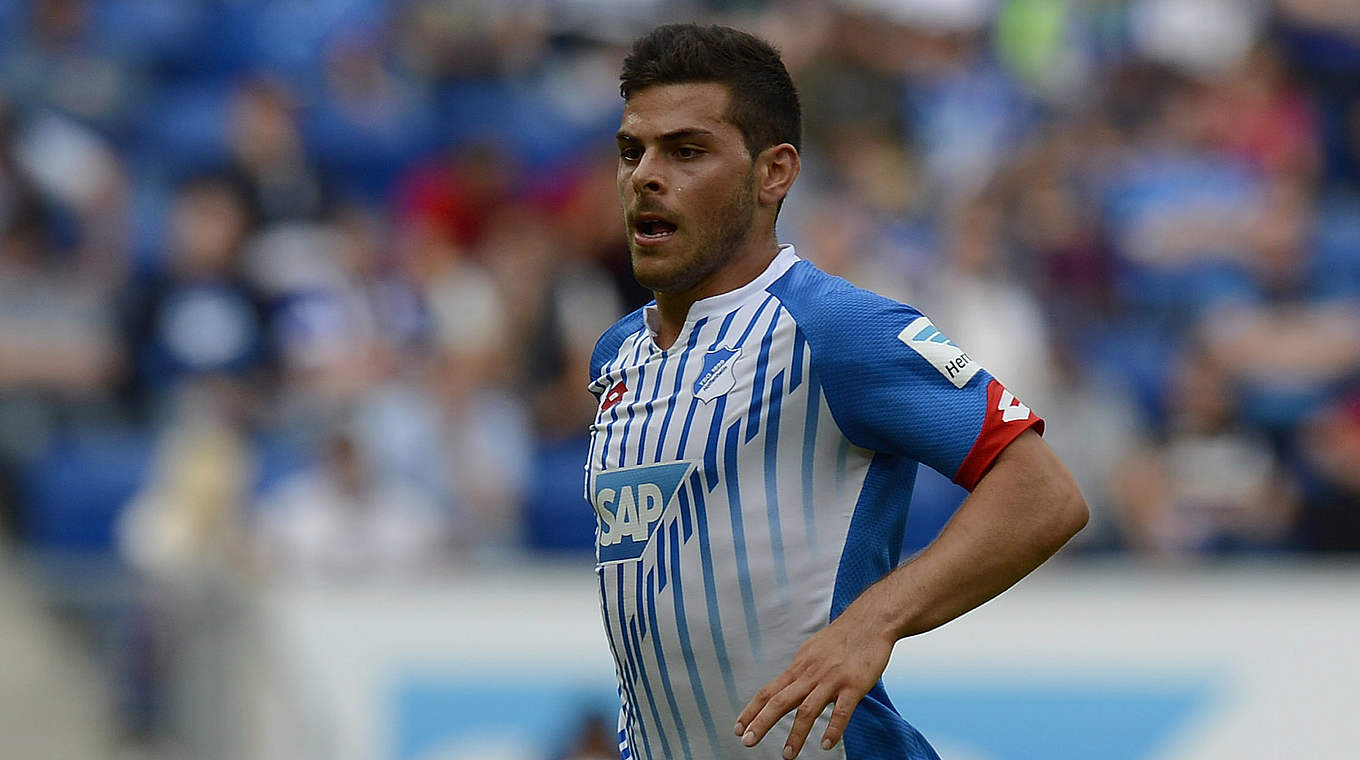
(1012, 410)
(952, 362)
(1005, 419)
(1004, 408)
(630, 503)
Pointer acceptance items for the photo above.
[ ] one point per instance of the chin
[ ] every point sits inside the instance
(656, 282)
(660, 279)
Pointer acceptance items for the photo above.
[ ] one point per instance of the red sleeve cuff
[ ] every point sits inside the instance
(1005, 419)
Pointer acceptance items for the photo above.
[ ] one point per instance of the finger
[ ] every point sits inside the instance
(778, 706)
(757, 702)
(808, 710)
(840, 717)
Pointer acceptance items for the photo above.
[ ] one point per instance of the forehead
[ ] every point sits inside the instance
(665, 108)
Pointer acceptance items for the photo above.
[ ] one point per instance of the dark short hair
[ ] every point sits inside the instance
(763, 102)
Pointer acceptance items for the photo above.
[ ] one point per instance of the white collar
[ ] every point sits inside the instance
(723, 303)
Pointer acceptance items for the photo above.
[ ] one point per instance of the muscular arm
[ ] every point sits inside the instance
(1021, 512)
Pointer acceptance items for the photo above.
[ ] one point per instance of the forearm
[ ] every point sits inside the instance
(1023, 510)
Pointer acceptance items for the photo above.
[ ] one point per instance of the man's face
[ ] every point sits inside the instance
(686, 182)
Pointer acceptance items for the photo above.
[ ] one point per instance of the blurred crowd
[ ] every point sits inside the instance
(307, 288)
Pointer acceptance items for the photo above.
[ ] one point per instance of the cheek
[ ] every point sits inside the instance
(624, 179)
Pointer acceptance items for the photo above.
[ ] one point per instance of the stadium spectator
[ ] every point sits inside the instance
(1214, 485)
(268, 158)
(484, 426)
(336, 522)
(200, 315)
(368, 119)
(1330, 520)
(59, 59)
(59, 354)
(189, 518)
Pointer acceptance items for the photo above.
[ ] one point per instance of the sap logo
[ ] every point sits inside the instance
(630, 503)
(717, 377)
(952, 362)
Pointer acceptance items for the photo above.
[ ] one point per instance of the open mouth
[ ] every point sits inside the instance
(653, 229)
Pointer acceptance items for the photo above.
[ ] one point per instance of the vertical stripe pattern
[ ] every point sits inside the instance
(702, 599)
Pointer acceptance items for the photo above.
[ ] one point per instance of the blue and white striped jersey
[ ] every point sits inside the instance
(753, 479)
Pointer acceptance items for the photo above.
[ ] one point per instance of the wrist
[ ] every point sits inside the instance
(907, 599)
(882, 612)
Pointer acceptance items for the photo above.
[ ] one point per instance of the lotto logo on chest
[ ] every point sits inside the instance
(613, 397)
(630, 503)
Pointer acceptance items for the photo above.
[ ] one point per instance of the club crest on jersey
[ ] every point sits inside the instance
(717, 376)
(952, 362)
(630, 503)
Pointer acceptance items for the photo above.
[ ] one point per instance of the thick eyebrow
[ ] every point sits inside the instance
(674, 136)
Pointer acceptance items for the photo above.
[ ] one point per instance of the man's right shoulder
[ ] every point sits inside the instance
(607, 347)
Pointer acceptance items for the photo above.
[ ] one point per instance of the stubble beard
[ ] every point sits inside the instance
(714, 247)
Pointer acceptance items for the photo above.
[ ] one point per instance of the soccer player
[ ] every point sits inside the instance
(759, 430)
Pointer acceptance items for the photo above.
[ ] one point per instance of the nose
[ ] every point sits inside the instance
(647, 175)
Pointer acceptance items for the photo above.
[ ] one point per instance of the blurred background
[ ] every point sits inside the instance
(297, 296)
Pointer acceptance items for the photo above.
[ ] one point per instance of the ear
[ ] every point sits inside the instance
(776, 168)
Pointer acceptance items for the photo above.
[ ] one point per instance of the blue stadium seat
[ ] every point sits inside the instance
(557, 516)
(77, 490)
(185, 127)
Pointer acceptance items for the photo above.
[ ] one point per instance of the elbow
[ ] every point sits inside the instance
(1030, 475)
(1059, 512)
(1070, 512)
(1078, 513)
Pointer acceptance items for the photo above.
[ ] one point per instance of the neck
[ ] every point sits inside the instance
(673, 308)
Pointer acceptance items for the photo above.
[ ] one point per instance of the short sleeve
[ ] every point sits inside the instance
(895, 383)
